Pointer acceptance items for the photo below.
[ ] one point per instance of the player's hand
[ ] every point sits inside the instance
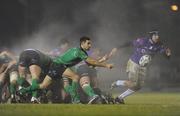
(110, 66)
(168, 52)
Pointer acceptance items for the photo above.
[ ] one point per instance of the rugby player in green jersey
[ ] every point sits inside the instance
(61, 66)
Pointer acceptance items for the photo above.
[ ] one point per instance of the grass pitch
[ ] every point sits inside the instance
(141, 104)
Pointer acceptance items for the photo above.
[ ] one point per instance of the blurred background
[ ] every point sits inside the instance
(41, 24)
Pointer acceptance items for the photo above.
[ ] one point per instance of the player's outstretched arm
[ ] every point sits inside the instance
(125, 45)
(108, 56)
(99, 64)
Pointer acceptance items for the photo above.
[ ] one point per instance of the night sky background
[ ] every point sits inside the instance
(41, 24)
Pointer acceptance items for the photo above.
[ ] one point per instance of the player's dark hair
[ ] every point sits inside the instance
(84, 39)
(154, 32)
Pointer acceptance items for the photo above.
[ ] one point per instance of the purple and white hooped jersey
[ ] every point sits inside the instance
(145, 46)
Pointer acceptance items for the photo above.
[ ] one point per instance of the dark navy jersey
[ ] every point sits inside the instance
(32, 56)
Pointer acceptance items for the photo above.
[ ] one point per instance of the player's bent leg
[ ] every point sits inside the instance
(85, 84)
(66, 91)
(35, 71)
(119, 83)
(121, 97)
(22, 74)
(44, 85)
(66, 84)
(46, 82)
(74, 87)
(71, 74)
(133, 87)
(13, 84)
(130, 83)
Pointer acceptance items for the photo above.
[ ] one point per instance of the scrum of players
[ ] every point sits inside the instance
(69, 74)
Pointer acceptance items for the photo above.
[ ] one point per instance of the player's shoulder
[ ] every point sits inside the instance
(142, 40)
(76, 49)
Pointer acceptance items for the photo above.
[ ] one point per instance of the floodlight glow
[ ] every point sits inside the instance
(174, 7)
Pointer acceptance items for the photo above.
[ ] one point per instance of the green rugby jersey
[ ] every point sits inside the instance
(72, 57)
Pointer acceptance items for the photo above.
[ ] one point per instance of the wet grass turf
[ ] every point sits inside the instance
(142, 104)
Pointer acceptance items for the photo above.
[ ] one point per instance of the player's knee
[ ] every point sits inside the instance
(84, 83)
(13, 77)
(76, 78)
(136, 86)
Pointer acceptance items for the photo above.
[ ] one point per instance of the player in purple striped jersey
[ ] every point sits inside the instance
(144, 51)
